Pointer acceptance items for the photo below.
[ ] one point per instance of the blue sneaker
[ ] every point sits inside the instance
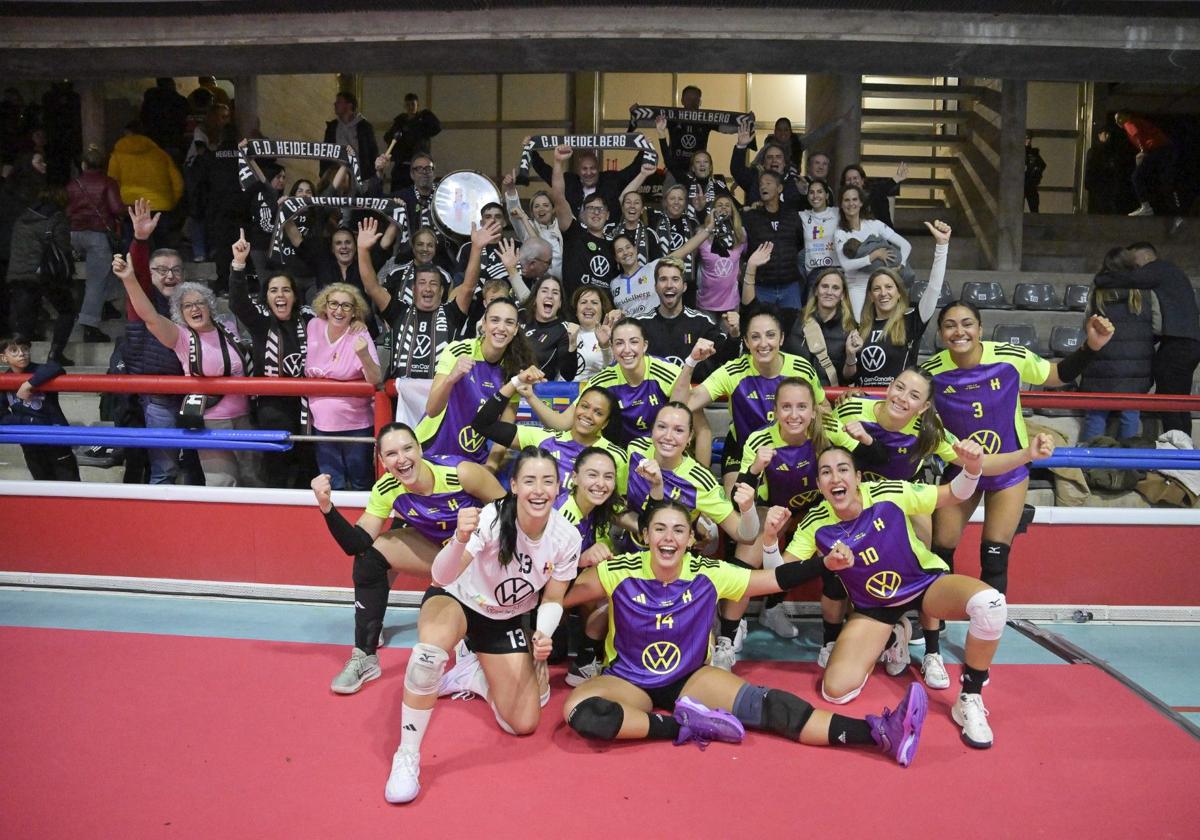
(703, 725)
(898, 733)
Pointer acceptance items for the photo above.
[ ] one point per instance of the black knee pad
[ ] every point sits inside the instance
(785, 714)
(993, 564)
(598, 718)
(947, 555)
(832, 586)
(370, 568)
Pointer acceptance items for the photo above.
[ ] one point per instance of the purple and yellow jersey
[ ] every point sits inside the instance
(751, 395)
(637, 404)
(434, 516)
(983, 403)
(585, 524)
(891, 566)
(902, 463)
(690, 484)
(790, 479)
(659, 632)
(450, 432)
(565, 450)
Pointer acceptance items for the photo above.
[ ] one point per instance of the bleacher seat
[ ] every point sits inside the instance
(1038, 296)
(1023, 334)
(985, 295)
(1076, 297)
(1065, 341)
(918, 288)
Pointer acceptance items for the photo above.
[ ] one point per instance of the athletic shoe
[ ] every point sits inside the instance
(360, 669)
(1144, 210)
(740, 636)
(699, 723)
(1176, 224)
(970, 713)
(918, 637)
(464, 681)
(541, 670)
(579, 674)
(778, 622)
(895, 658)
(403, 783)
(934, 671)
(898, 733)
(824, 653)
(723, 656)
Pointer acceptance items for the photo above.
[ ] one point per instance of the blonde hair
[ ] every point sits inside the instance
(893, 328)
(321, 302)
(847, 312)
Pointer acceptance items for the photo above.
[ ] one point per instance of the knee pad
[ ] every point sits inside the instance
(845, 698)
(370, 568)
(832, 586)
(993, 564)
(425, 668)
(947, 555)
(786, 714)
(598, 718)
(988, 611)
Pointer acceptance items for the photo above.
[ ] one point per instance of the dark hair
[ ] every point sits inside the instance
(93, 157)
(771, 173)
(506, 506)
(607, 394)
(15, 340)
(533, 290)
(411, 97)
(593, 198)
(347, 96)
(930, 432)
(816, 426)
(629, 322)
(488, 206)
(653, 506)
(1118, 259)
(1143, 246)
(604, 513)
(755, 311)
(286, 275)
(606, 304)
(516, 356)
(965, 304)
(824, 185)
(839, 448)
(395, 426)
(864, 210)
(682, 407)
(690, 87)
(853, 166)
(428, 268)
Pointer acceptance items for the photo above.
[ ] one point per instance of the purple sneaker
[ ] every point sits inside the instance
(699, 723)
(897, 733)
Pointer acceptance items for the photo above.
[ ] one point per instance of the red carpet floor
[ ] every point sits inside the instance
(109, 735)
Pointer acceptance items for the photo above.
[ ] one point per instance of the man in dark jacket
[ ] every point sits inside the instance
(1035, 167)
(589, 180)
(43, 221)
(27, 406)
(350, 128)
(164, 115)
(411, 131)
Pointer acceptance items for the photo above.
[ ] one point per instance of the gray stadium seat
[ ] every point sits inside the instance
(1065, 341)
(1038, 296)
(985, 295)
(1023, 334)
(918, 288)
(1076, 297)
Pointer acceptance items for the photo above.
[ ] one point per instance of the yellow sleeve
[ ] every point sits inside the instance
(1033, 368)
(804, 543)
(447, 359)
(712, 501)
(730, 581)
(531, 435)
(808, 373)
(945, 448)
(379, 503)
(920, 498)
(719, 383)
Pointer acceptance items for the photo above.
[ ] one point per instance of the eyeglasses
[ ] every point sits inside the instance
(422, 168)
(162, 271)
(199, 304)
(596, 208)
(344, 307)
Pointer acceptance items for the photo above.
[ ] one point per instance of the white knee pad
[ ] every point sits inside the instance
(988, 611)
(501, 721)
(425, 668)
(845, 698)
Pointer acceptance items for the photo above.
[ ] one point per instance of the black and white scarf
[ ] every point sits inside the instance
(301, 149)
(640, 236)
(726, 122)
(392, 209)
(405, 337)
(291, 365)
(669, 230)
(227, 340)
(544, 142)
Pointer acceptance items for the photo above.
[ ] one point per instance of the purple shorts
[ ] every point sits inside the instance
(990, 483)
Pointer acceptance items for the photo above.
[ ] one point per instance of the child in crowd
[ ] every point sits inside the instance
(27, 406)
(859, 248)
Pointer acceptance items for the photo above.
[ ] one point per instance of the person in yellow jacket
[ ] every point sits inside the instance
(145, 171)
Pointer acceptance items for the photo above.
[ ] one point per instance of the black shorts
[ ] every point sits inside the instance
(731, 455)
(488, 635)
(891, 615)
(664, 696)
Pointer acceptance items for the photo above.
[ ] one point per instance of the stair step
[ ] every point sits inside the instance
(913, 115)
(935, 183)
(936, 161)
(883, 90)
(900, 138)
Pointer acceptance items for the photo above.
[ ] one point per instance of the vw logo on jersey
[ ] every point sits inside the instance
(599, 265)
(513, 591)
(872, 357)
(424, 343)
(723, 266)
(675, 360)
(469, 440)
(883, 584)
(988, 440)
(803, 499)
(688, 141)
(661, 657)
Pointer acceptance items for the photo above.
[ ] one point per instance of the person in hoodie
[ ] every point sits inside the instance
(350, 128)
(27, 406)
(145, 171)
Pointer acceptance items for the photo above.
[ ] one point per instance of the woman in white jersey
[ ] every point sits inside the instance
(485, 579)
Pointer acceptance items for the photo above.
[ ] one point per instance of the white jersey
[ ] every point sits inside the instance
(505, 591)
(590, 356)
(819, 249)
(635, 295)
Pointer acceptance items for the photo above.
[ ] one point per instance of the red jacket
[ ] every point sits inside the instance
(94, 202)
(1145, 135)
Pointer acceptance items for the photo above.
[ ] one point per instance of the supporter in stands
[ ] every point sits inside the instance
(826, 333)
(411, 131)
(879, 190)
(145, 171)
(595, 316)
(855, 221)
(485, 580)
(491, 267)
(1178, 352)
(816, 168)
(1102, 174)
(976, 392)
(423, 493)
(208, 92)
(789, 141)
(634, 288)
(350, 128)
(540, 223)
(891, 329)
(96, 212)
(29, 406)
(590, 180)
(278, 328)
(418, 195)
(818, 222)
(676, 223)
(164, 113)
(587, 253)
(773, 158)
(1035, 167)
(685, 139)
(42, 222)
(777, 282)
(620, 703)
(208, 133)
(840, 530)
(720, 259)
(1125, 364)
(699, 179)
(204, 347)
(340, 348)
(632, 221)
(225, 208)
(673, 329)
(1157, 157)
(336, 261)
(552, 339)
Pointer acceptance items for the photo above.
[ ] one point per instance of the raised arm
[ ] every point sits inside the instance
(937, 273)
(239, 296)
(635, 183)
(480, 238)
(1099, 331)
(488, 422)
(702, 233)
(363, 348)
(558, 189)
(161, 327)
(682, 390)
(759, 257)
(368, 235)
(522, 227)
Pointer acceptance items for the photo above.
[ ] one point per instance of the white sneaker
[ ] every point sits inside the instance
(778, 622)
(578, 675)
(934, 671)
(1144, 210)
(464, 681)
(824, 653)
(895, 658)
(723, 655)
(970, 713)
(359, 669)
(403, 783)
(740, 636)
